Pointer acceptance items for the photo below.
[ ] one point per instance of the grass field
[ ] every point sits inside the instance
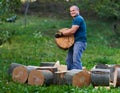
(35, 43)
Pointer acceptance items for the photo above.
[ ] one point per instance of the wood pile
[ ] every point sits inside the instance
(55, 73)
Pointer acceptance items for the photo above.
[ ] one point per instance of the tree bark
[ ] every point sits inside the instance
(59, 77)
(12, 66)
(100, 77)
(47, 64)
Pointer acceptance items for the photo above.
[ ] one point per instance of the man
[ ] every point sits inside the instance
(79, 30)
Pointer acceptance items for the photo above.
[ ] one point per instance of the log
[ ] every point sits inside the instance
(20, 74)
(78, 78)
(100, 77)
(12, 66)
(64, 42)
(40, 77)
(59, 77)
(108, 66)
(116, 82)
(47, 64)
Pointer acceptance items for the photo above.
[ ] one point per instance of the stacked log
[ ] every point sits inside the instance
(22, 73)
(40, 77)
(78, 78)
(100, 77)
(106, 66)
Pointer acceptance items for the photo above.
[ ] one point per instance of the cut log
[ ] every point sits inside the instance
(78, 78)
(40, 77)
(59, 77)
(64, 42)
(12, 66)
(100, 77)
(47, 64)
(20, 74)
(107, 66)
(116, 82)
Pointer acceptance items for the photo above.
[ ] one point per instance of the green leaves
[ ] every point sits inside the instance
(8, 7)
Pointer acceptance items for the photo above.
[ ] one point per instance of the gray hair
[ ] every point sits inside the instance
(75, 6)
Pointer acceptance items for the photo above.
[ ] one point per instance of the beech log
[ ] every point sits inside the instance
(100, 77)
(78, 78)
(20, 74)
(40, 77)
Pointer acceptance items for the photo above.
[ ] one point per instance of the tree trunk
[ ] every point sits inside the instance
(78, 78)
(40, 77)
(100, 77)
(116, 77)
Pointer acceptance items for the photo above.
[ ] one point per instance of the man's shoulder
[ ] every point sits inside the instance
(79, 17)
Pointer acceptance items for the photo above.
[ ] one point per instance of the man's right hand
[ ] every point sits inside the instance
(59, 34)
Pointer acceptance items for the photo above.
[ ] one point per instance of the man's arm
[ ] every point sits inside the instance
(71, 31)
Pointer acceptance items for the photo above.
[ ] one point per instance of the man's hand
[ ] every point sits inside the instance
(59, 34)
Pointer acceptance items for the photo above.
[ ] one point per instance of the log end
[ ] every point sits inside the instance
(36, 78)
(20, 74)
(81, 79)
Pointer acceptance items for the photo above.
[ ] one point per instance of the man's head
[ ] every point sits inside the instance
(74, 10)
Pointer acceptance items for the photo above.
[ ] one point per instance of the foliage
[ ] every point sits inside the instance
(8, 8)
(102, 8)
(35, 44)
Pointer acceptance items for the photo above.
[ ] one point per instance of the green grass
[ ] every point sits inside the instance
(35, 43)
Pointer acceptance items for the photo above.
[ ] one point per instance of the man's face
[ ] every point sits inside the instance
(74, 11)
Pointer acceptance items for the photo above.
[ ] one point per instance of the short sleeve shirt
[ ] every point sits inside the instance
(80, 34)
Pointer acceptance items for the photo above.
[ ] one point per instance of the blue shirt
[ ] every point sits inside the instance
(80, 34)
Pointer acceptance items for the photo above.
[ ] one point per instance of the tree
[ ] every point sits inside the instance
(8, 8)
